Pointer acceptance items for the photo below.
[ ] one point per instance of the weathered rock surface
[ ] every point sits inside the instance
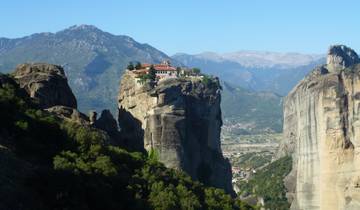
(70, 114)
(181, 121)
(340, 57)
(322, 133)
(107, 123)
(46, 83)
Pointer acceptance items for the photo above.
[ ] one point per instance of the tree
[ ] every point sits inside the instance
(178, 71)
(196, 71)
(152, 73)
(138, 65)
(130, 66)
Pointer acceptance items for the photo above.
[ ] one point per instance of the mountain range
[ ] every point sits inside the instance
(255, 70)
(94, 61)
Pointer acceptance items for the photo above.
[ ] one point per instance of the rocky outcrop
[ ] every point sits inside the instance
(180, 120)
(322, 133)
(107, 123)
(340, 57)
(68, 113)
(46, 83)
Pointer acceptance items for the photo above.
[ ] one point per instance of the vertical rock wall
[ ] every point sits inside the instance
(322, 132)
(181, 121)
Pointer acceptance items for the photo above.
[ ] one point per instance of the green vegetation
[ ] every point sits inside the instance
(206, 80)
(138, 65)
(149, 77)
(196, 71)
(131, 66)
(178, 71)
(268, 183)
(48, 163)
(143, 78)
(250, 112)
(152, 73)
(210, 81)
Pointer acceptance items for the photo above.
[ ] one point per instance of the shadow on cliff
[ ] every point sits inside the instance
(202, 157)
(131, 132)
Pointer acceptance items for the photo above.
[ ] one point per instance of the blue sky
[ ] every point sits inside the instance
(194, 26)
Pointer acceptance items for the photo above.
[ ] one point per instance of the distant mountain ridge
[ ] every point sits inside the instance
(93, 59)
(260, 59)
(258, 71)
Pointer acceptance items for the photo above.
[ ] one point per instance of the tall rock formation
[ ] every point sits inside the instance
(107, 123)
(46, 83)
(322, 132)
(180, 120)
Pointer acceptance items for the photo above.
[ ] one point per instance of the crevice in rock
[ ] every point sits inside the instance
(344, 112)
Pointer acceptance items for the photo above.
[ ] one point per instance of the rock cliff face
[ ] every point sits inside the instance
(322, 132)
(46, 83)
(107, 123)
(181, 121)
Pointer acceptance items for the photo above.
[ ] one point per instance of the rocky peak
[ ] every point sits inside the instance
(46, 83)
(107, 123)
(180, 120)
(322, 134)
(340, 57)
(80, 28)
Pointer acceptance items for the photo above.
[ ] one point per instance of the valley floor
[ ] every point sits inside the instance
(248, 153)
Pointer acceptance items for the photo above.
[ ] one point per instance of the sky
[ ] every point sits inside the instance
(195, 26)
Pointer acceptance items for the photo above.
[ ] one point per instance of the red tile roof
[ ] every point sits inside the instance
(158, 67)
(164, 68)
(145, 65)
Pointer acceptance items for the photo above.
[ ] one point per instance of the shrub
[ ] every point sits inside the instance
(138, 65)
(131, 66)
(196, 71)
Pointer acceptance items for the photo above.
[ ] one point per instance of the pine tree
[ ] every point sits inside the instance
(130, 66)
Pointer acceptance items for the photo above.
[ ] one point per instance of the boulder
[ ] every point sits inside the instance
(46, 83)
(70, 114)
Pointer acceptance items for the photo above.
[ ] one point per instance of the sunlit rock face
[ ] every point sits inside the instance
(180, 119)
(322, 133)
